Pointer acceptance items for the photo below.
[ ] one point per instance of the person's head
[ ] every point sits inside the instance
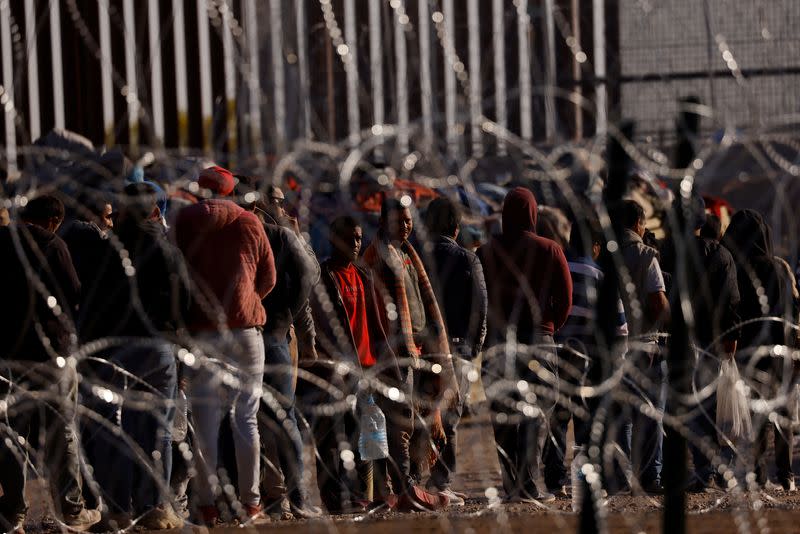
(105, 219)
(586, 238)
(5, 218)
(345, 238)
(140, 203)
(275, 202)
(630, 216)
(553, 224)
(712, 229)
(219, 181)
(396, 221)
(46, 211)
(520, 212)
(443, 217)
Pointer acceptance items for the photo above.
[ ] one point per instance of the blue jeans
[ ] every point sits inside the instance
(284, 453)
(131, 479)
(644, 435)
(233, 385)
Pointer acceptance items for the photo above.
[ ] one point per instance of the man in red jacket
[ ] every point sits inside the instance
(233, 269)
(530, 295)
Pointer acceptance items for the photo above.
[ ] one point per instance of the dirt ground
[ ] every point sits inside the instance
(479, 475)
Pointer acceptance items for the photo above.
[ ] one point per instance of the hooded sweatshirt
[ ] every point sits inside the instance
(527, 276)
(230, 261)
(749, 241)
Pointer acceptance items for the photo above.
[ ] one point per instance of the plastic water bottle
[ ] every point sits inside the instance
(180, 425)
(372, 441)
(577, 477)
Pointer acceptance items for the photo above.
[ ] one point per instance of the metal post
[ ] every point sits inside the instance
(254, 78)
(204, 49)
(106, 70)
(426, 85)
(279, 100)
(132, 87)
(601, 91)
(58, 70)
(474, 42)
(229, 61)
(7, 98)
(525, 94)
(450, 95)
(376, 67)
(401, 61)
(156, 84)
(302, 67)
(351, 72)
(181, 89)
(577, 73)
(34, 120)
(550, 73)
(499, 47)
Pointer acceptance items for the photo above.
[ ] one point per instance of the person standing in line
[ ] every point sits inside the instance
(145, 299)
(765, 290)
(232, 266)
(411, 318)
(349, 332)
(460, 288)
(580, 348)
(40, 296)
(647, 311)
(530, 295)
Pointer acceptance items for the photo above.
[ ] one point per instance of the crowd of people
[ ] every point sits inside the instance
(157, 367)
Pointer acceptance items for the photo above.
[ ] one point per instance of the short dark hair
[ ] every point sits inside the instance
(390, 205)
(141, 201)
(712, 229)
(628, 213)
(342, 224)
(586, 232)
(442, 217)
(44, 208)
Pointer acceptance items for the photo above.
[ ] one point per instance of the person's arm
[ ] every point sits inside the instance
(65, 276)
(561, 291)
(480, 304)
(657, 305)
(303, 272)
(266, 275)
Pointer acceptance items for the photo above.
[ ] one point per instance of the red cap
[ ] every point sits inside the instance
(218, 180)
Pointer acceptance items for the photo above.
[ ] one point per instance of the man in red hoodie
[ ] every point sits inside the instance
(232, 266)
(530, 295)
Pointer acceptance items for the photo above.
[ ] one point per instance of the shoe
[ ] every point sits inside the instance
(454, 498)
(349, 508)
(16, 521)
(209, 515)
(653, 488)
(160, 518)
(277, 509)
(389, 502)
(304, 511)
(789, 486)
(253, 515)
(560, 492)
(111, 522)
(540, 498)
(83, 520)
(418, 500)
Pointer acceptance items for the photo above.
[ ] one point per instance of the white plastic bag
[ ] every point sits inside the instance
(733, 411)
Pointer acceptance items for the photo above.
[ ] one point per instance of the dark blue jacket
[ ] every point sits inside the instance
(456, 275)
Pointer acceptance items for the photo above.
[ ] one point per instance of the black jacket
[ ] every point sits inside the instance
(296, 273)
(457, 278)
(40, 289)
(152, 297)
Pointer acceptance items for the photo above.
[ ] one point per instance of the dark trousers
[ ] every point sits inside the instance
(47, 424)
(281, 442)
(133, 467)
(556, 472)
(783, 449)
(518, 433)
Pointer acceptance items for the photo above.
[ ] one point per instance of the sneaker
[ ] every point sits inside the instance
(540, 498)
(16, 521)
(83, 520)
(789, 486)
(454, 498)
(209, 515)
(389, 502)
(112, 522)
(304, 511)
(561, 492)
(418, 500)
(160, 518)
(653, 488)
(253, 515)
(277, 509)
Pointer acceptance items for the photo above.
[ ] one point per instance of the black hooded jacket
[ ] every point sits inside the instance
(40, 293)
(749, 241)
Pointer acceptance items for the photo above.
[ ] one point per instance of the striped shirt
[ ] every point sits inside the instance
(581, 326)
